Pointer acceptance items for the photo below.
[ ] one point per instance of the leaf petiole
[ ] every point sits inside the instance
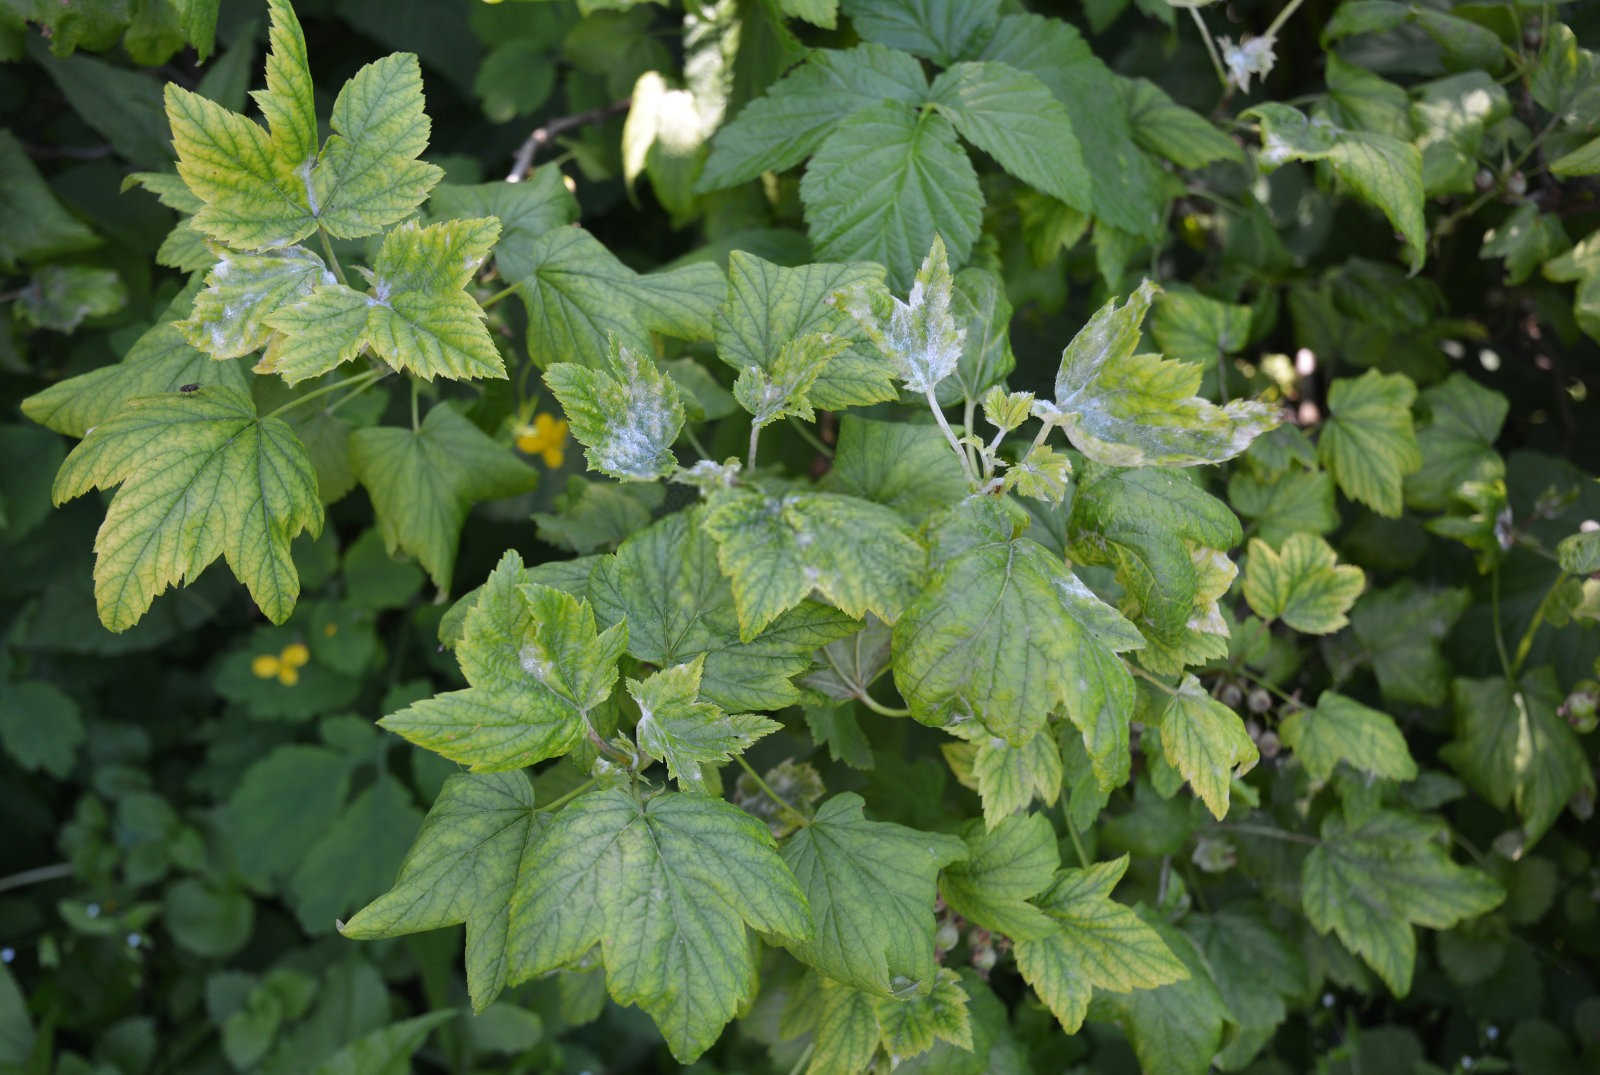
(766, 790)
(333, 259)
(362, 379)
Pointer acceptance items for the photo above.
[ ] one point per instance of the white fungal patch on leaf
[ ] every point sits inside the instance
(627, 417)
(242, 290)
(920, 336)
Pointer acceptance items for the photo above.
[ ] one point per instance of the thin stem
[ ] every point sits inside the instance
(879, 708)
(1264, 685)
(1268, 831)
(1077, 841)
(955, 445)
(416, 424)
(360, 378)
(1283, 17)
(1211, 48)
(1147, 677)
(1533, 628)
(557, 804)
(755, 437)
(504, 293)
(342, 400)
(37, 875)
(1448, 224)
(766, 790)
(522, 163)
(1499, 633)
(968, 407)
(333, 259)
(694, 442)
(810, 437)
(804, 1058)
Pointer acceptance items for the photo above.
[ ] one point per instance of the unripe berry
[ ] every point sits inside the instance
(1259, 701)
(1231, 695)
(984, 959)
(947, 937)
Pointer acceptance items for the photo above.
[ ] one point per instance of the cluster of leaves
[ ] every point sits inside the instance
(1055, 579)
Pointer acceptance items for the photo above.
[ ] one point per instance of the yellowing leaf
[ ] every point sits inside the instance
(1301, 583)
(1367, 443)
(1342, 729)
(626, 416)
(229, 316)
(1206, 742)
(1006, 866)
(685, 732)
(202, 476)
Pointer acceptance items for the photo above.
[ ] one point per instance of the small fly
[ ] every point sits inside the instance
(187, 388)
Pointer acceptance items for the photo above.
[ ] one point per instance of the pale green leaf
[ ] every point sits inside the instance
(1005, 867)
(1131, 410)
(626, 416)
(1010, 777)
(423, 482)
(1515, 750)
(846, 1032)
(784, 387)
(884, 183)
(983, 312)
(60, 297)
(941, 30)
(316, 335)
(1178, 1026)
(1302, 583)
(462, 868)
(676, 727)
(777, 550)
(202, 476)
(1193, 327)
(1370, 882)
(228, 319)
(1098, 944)
(912, 1024)
(846, 668)
(289, 101)
(1456, 441)
(1367, 443)
(919, 337)
(665, 887)
(1579, 554)
(1585, 160)
(1526, 240)
(526, 210)
(590, 516)
(1294, 501)
(1342, 729)
(871, 887)
(1206, 742)
(386, 1051)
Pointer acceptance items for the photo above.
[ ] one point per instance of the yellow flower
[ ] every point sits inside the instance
(295, 655)
(546, 437)
(264, 666)
(285, 665)
(288, 675)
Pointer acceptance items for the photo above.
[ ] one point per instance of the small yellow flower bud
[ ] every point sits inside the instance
(264, 666)
(295, 655)
(288, 675)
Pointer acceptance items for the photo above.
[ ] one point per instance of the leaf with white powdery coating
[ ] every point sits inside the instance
(1301, 583)
(626, 416)
(665, 888)
(202, 476)
(462, 868)
(920, 336)
(1367, 443)
(1206, 742)
(1131, 410)
(1340, 729)
(228, 319)
(871, 887)
(676, 727)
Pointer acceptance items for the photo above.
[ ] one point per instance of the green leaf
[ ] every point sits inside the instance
(40, 727)
(202, 476)
(884, 184)
(784, 387)
(676, 727)
(983, 312)
(461, 868)
(1367, 443)
(768, 306)
(1162, 126)
(594, 515)
(919, 337)
(626, 416)
(941, 30)
(783, 128)
(907, 466)
(1005, 867)
(1005, 633)
(33, 225)
(418, 316)
(1341, 729)
(1255, 969)
(526, 210)
(1193, 327)
(1206, 742)
(386, 1051)
(1295, 501)
(1098, 944)
(1526, 240)
(289, 101)
(912, 1024)
(423, 482)
(537, 667)
(228, 319)
(777, 550)
(1012, 116)
(314, 778)
(1579, 554)
(1456, 441)
(1130, 410)
(1176, 1027)
(1399, 630)
(1562, 81)
(847, 1029)
(1302, 583)
(60, 297)
(665, 888)
(579, 297)
(1513, 747)
(678, 605)
(354, 858)
(871, 888)
(1010, 777)
(1380, 168)
(1585, 160)
(1370, 882)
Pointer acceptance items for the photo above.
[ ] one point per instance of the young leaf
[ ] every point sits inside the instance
(626, 416)
(1342, 729)
(884, 184)
(784, 387)
(665, 887)
(679, 729)
(424, 481)
(1005, 867)
(778, 550)
(1302, 584)
(1370, 882)
(1206, 742)
(462, 868)
(1010, 777)
(1131, 410)
(920, 336)
(871, 889)
(1367, 443)
(202, 476)
(1098, 944)
(910, 1025)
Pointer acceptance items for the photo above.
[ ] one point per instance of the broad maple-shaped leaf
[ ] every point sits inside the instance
(1367, 443)
(417, 316)
(1515, 749)
(910, 1025)
(784, 387)
(462, 868)
(1456, 441)
(626, 415)
(920, 336)
(677, 727)
(1206, 742)
(1257, 970)
(768, 305)
(1341, 729)
(1370, 882)
(1399, 631)
(1098, 944)
(1132, 410)
(666, 888)
(229, 316)
(423, 482)
(1010, 776)
(665, 582)
(1302, 583)
(1005, 633)
(1006, 866)
(907, 466)
(777, 550)
(537, 667)
(846, 1030)
(871, 889)
(202, 476)
(1290, 502)
(1177, 1027)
